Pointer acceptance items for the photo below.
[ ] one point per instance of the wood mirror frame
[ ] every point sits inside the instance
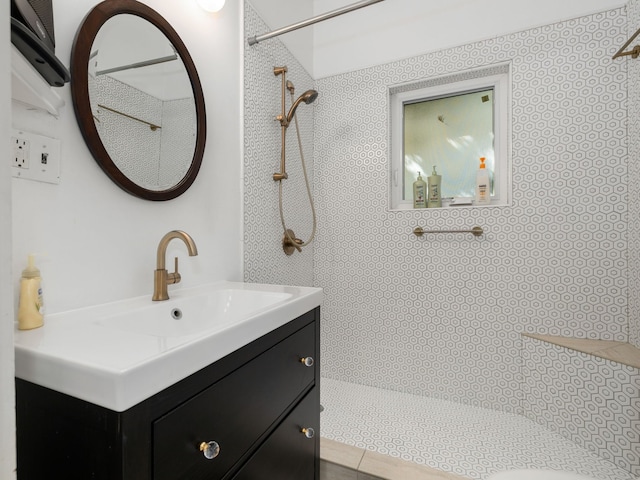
(80, 55)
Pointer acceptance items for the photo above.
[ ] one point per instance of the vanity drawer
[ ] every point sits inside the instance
(289, 453)
(234, 412)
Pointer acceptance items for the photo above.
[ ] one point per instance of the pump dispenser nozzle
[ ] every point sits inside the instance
(31, 270)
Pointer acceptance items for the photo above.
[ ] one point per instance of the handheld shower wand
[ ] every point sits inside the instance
(307, 97)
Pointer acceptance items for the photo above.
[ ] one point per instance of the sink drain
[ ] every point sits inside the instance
(176, 314)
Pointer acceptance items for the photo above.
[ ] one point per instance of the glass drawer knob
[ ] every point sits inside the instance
(210, 449)
(309, 432)
(308, 361)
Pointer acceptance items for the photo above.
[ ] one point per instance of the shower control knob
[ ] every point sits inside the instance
(210, 449)
(290, 241)
(307, 361)
(308, 432)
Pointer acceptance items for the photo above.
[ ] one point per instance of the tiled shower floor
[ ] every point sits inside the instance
(468, 441)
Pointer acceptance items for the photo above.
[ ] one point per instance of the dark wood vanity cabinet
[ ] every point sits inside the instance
(260, 406)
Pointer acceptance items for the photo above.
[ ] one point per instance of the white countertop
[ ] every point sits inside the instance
(92, 354)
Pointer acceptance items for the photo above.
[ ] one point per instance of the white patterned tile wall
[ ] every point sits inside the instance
(264, 260)
(138, 161)
(633, 8)
(592, 401)
(158, 157)
(441, 316)
(179, 129)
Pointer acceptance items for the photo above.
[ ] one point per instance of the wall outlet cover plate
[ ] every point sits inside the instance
(35, 157)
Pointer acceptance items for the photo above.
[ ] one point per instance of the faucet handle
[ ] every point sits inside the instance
(175, 276)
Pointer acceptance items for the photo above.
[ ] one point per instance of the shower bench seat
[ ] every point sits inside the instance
(620, 352)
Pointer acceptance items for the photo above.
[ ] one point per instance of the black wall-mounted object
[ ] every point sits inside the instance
(37, 15)
(32, 33)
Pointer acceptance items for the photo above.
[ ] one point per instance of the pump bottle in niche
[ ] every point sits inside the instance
(419, 193)
(435, 181)
(483, 185)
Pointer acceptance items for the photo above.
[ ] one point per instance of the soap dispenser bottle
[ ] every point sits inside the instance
(483, 185)
(435, 199)
(30, 309)
(419, 193)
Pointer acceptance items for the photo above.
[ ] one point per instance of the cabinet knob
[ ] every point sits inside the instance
(210, 449)
(308, 361)
(308, 432)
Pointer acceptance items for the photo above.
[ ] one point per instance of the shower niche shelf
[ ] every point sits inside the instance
(29, 88)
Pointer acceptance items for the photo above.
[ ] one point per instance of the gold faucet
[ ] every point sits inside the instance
(162, 278)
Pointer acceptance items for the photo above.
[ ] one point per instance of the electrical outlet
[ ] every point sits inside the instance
(35, 157)
(20, 158)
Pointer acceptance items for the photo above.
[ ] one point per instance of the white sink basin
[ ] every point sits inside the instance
(118, 354)
(193, 314)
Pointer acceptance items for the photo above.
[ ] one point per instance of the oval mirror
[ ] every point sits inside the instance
(138, 99)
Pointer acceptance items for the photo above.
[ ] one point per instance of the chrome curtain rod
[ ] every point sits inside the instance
(305, 23)
(146, 63)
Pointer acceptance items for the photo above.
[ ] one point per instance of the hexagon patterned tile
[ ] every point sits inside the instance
(469, 441)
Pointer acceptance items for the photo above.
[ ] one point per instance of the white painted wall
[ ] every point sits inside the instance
(7, 415)
(397, 29)
(98, 242)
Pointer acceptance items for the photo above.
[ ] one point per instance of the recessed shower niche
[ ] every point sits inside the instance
(446, 125)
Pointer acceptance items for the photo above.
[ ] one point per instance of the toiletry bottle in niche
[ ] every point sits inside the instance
(419, 193)
(30, 309)
(483, 185)
(435, 180)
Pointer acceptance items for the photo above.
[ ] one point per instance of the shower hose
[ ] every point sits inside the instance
(306, 181)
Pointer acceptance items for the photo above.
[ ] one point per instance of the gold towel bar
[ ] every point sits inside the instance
(152, 126)
(634, 52)
(476, 231)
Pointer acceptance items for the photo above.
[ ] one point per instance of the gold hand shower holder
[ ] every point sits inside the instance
(290, 242)
(282, 175)
(634, 52)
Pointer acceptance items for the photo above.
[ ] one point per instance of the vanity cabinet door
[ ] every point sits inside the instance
(289, 453)
(235, 412)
